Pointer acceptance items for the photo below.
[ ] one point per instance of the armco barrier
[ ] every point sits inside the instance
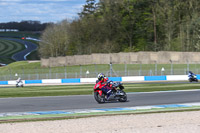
(177, 77)
(93, 80)
(88, 80)
(154, 78)
(70, 81)
(133, 78)
(33, 81)
(115, 78)
(3, 82)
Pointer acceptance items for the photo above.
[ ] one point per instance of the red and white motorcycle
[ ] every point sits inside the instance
(117, 92)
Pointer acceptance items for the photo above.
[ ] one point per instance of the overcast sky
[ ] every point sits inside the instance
(40, 10)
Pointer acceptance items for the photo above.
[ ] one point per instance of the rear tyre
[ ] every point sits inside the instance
(98, 98)
(124, 97)
(190, 79)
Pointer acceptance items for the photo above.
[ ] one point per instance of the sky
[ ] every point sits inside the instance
(39, 10)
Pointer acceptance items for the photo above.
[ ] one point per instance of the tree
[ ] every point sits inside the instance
(55, 40)
(88, 9)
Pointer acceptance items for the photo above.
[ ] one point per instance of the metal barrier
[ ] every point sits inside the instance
(93, 80)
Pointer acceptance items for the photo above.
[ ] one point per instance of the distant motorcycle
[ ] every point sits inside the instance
(19, 84)
(193, 78)
(117, 92)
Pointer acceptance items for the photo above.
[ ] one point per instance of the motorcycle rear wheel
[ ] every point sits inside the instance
(124, 97)
(98, 98)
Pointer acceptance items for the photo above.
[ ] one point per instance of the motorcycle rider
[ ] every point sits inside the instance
(105, 87)
(19, 80)
(190, 74)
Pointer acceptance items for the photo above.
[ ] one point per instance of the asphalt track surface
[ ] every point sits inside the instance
(30, 47)
(83, 102)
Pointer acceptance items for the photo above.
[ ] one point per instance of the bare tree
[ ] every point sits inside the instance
(55, 40)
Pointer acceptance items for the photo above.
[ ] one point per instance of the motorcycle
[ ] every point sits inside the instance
(19, 84)
(117, 92)
(193, 78)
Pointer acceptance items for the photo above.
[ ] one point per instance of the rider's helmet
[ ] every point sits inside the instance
(100, 76)
(190, 72)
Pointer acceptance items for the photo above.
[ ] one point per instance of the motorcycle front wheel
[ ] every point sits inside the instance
(98, 98)
(123, 98)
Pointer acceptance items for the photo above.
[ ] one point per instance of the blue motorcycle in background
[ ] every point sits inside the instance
(192, 77)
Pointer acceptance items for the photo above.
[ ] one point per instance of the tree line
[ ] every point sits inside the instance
(25, 25)
(110, 26)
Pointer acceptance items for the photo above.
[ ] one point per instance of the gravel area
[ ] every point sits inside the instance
(176, 122)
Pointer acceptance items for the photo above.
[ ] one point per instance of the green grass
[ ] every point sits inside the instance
(36, 68)
(31, 71)
(159, 87)
(61, 90)
(8, 49)
(33, 56)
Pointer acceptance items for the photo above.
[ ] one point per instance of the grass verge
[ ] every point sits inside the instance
(31, 118)
(61, 90)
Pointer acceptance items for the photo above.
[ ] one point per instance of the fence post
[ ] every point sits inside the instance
(171, 67)
(188, 66)
(56, 75)
(65, 71)
(155, 67)
(80, 71)
(110, 69)
(125, 71)
(140, 68)
(10, 73)
(36, 73)
(150, 72)
(49, 72)
(195, 67)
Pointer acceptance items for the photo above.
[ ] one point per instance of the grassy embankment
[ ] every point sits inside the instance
(133, 69)
(29, 91)
(9, 48)
(61, 90)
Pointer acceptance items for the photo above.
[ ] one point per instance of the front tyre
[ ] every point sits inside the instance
(98, 98)
(123, 98)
